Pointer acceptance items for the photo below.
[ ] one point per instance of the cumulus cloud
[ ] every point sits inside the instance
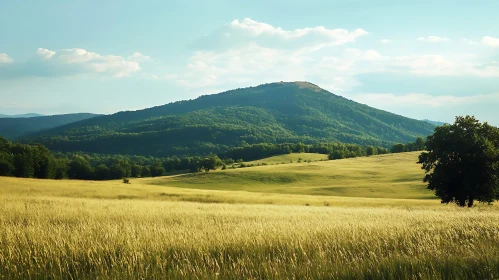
(247, 52)
(434, 39)
(241, 66)
(252, 64)
(44, 53)
(48, 63)
(138, 57)
(242, 32)
(4, 58)
(334, 36)
(490, 41)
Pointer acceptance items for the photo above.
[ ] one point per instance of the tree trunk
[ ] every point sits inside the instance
(470, 202)
(462, 202)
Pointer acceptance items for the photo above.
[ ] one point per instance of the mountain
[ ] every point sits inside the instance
(12, 128)
(30, 115)
(269, 113)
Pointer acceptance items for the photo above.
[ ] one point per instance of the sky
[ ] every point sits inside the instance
(421, 59)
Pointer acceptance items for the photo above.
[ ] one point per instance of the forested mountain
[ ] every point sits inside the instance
(29, 115)
(270, 113)
(11, 128)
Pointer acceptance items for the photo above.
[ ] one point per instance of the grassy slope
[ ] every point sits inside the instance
(384, 176)
(342, 182)
(289, 158)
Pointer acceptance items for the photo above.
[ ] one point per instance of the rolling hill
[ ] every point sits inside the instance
(29, 115)
(380, 180)
(272, 113)
(383, 176)
(14, 127)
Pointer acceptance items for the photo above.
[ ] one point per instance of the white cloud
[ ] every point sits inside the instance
(434, 39)
(117, 66)
(44, 53)
(385, 41)
(74, 61)
(254, 64)
(435, 65)
(490, 41)
(138, 57)
(240, 33)
(248, 52)
(332, 36)
(239, 67)
(4, 58)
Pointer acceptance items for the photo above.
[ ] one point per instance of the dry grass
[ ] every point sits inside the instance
(89, 238)
(110, 230)
(384, 176)
(289, 158)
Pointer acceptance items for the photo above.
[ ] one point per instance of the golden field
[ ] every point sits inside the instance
(372, 219)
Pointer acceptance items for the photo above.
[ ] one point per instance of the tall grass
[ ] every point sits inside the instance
(69, 238)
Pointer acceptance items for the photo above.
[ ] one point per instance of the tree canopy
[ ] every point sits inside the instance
(462, 162)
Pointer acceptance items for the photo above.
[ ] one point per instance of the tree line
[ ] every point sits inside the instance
(36, 161)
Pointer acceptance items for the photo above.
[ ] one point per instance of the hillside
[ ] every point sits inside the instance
(386, 178)
(383, 176)
(273, 113)
(13, 127)
(289, 158)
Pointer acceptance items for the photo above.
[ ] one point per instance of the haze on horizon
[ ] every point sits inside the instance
(423, 60)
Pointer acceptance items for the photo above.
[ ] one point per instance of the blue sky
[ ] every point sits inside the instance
(421, 59)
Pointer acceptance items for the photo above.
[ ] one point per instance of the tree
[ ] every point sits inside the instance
(399, 148)
(211, 163)
(157, 169)
(337, 154)
(80, 168)
(102, 172)
(120, 169)
(6, 167)
(43, 162)
(146, 172)
(419, 145)
(136, 170)
(60, 168)
(371, 151)
(23, 160)
(462, 162)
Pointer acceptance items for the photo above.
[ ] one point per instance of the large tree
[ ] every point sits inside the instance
(462, 162)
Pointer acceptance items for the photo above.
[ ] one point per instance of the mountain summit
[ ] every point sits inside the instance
(271, 113)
